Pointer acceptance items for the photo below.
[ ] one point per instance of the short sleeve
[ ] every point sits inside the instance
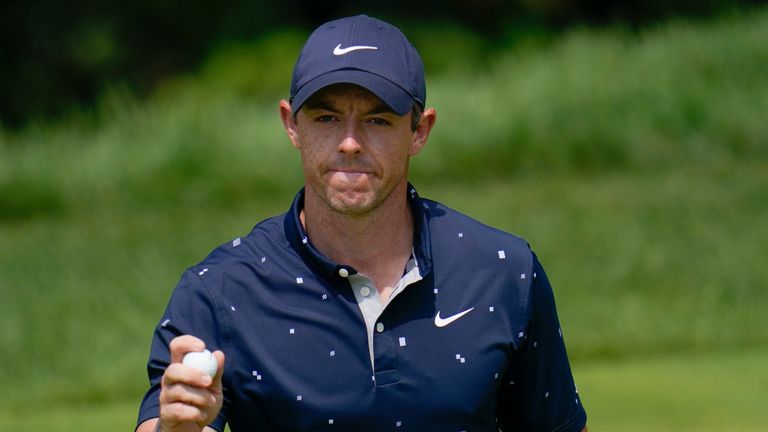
(538, 392)
(191, 310)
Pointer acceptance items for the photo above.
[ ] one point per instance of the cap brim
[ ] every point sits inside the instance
(395, 97)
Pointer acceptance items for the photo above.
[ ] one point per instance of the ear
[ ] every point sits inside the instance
(289, 122)
(421, 134)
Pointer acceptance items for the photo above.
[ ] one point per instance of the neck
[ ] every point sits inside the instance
(380, 239)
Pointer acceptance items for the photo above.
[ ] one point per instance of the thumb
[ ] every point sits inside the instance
(219, 355)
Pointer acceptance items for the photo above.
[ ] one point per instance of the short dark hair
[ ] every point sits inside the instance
(416, 111)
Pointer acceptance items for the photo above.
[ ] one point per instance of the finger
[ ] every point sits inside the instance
(183, 344)
(181, 413)
(180, 373)
(188, 395)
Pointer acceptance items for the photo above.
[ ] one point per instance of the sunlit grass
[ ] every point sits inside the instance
(691, 393)
(688, 393)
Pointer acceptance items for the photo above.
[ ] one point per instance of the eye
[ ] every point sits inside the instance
(379, 121)
(324, 118)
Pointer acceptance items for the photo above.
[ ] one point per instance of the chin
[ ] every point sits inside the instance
(352, 204)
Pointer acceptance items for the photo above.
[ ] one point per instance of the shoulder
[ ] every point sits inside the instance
(266, 238)
(457, 233)
(472, 254)
(234, 270)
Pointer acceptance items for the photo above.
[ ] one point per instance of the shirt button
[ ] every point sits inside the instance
(365, 291)
(380, 327)
(343, 272)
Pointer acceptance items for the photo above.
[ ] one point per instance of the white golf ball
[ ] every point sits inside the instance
(203, 360)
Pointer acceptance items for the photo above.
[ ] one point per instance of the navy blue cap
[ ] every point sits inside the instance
(364, 51)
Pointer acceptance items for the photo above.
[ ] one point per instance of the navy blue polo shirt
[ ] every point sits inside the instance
(471, 342)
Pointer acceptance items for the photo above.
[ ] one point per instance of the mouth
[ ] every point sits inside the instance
(354, 174)
(349, 171)
(350, 176)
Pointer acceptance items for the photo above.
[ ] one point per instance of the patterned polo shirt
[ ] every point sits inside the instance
(469, 339)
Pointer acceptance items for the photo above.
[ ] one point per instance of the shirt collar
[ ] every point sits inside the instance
(298, 239)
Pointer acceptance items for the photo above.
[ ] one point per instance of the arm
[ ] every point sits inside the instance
(538, 391)
(149, 426)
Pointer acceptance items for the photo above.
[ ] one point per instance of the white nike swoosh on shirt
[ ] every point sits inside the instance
(442, 322)
(341, 51)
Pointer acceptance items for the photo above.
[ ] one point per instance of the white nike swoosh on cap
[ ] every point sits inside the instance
(341, 51)
(442, 322)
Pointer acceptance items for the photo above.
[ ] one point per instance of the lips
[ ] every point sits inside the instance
(349, 174)
(350, 170)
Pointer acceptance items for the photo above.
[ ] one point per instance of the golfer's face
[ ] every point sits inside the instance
(354, 148)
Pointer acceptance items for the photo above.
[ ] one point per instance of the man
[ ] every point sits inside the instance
(364, 307)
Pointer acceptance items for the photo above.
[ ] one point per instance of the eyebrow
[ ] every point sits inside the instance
(325, 105)
(320, 104)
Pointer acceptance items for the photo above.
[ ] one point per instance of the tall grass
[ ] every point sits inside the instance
(590, 102)
(636, 165)
(681, 93)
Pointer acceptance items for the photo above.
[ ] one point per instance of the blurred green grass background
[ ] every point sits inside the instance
(635, 163)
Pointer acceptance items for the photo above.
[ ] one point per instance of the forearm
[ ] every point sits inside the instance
(149, 426)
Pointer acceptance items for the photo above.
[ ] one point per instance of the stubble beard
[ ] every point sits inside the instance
(352, 204)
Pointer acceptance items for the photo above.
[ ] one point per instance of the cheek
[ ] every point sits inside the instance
(318, 140)
(396, 162)
(308, 145)
(309, 159)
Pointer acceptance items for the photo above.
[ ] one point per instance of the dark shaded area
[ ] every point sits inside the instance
(58, 55)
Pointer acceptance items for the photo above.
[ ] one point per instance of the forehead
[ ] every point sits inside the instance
(343, 95)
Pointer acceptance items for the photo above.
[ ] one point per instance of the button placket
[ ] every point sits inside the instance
(384, 355)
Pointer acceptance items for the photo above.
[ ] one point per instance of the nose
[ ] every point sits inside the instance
(351, 141)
